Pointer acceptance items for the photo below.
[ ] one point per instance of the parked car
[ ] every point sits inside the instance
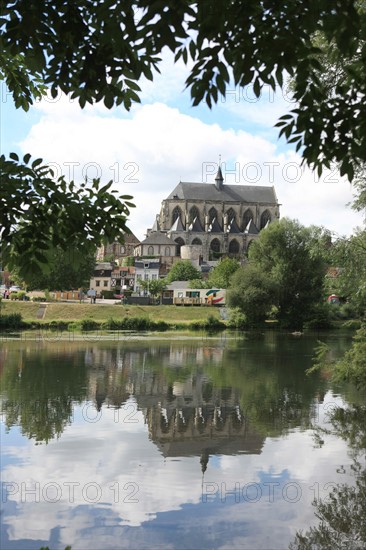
(15, 288)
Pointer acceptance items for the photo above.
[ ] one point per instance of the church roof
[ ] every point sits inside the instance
(233, 226)
(214, 227)
(177, 225)
(251, 228)
(195, 226)
(228, 193)
(158, 237)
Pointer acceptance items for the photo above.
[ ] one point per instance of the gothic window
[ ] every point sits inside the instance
(180, 242)
(212, 213)
(177, 213)
(194, 213)
(234, 247)
(265, 218)
(215, 245)
(230, 215)
(167, 251)
(150, 251)
(248, 215)
(196, 241)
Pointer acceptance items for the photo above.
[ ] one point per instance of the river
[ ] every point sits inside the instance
(166, 441)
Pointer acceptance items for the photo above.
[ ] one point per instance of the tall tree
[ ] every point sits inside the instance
(287, 254)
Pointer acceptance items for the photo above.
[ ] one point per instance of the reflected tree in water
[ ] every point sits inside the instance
(39, 391)
(342, 515)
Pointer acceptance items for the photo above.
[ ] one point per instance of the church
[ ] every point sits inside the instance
(207, 221)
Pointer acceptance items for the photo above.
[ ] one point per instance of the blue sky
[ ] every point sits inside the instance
(163, 140)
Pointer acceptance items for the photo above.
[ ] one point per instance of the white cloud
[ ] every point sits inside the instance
(148, 151)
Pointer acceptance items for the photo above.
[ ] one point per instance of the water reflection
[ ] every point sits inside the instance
(210, 437)
(342, 514)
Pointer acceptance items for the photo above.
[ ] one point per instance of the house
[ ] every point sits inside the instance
(146, 269)
(102, 277)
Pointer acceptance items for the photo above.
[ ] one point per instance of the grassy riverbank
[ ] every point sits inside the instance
(70, 312)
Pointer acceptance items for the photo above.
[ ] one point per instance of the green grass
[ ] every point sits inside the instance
(76, 312)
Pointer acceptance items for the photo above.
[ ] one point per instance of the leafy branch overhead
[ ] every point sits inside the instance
(99, 51)
(39, 213)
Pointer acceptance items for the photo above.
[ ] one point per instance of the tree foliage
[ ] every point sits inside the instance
(289, 255)
(66, 270)
(251, 291)
(39, 214)
(154, 287)
(222, 273)
(100, 51)
(183, 270)
(350, 256)
(286, 270)
(352, 367)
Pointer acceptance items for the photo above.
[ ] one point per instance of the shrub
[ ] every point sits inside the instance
(237, 319)
(321, 317)
(88, 324)
(58, 325)
(38, 299)
(212, 324)
(111, 324)
(11, 321)
(108, 294)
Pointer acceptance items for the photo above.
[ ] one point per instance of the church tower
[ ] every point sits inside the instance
(219, 180)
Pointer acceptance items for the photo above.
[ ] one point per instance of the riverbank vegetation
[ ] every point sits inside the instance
(87, 317)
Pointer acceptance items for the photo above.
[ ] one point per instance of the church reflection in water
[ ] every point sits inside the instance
(196, 398)
(185, 413)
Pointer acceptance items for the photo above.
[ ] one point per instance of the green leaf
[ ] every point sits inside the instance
(36, 163)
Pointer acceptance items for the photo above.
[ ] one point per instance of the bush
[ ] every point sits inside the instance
(88, 324)
(11, 321)
(212, 324)
(58, 325)
(321, 317)
(134, 323)
(38, 299)
(237, 319)
(111, 324)
(107, 294)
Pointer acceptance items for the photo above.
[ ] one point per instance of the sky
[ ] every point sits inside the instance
(164, 140)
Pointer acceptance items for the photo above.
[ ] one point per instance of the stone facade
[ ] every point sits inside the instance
(215, 219)
(118, 250)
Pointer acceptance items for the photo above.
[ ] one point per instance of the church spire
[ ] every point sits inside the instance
(219, 180)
